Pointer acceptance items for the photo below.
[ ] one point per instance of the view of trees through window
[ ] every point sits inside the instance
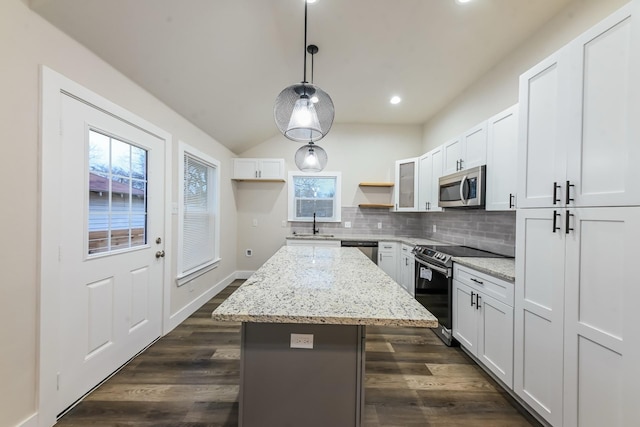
(117, 194)
(314, 195)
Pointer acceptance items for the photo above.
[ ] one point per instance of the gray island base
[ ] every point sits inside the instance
(303, 315)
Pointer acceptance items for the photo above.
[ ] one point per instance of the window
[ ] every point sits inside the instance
(117, 217)
(317, 193)
(198, 212)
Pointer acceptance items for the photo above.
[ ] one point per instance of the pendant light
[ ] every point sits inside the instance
(311, 157)
(303, 112)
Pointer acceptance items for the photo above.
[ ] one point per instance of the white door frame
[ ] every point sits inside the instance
(53, 86)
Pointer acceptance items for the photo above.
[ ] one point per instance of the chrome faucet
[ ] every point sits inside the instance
(315, 230)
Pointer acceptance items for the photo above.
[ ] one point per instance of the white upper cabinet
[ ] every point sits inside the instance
(430, 167)
(406, 188)
(474, 147)
(452, 153)
(502, 146)
(258, 169)
(467, 151)
(541, 151)
(579, 111)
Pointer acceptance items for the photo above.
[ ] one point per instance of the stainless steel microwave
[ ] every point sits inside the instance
(463, 189)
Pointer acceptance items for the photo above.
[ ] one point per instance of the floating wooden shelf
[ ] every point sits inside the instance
(375, 205)
(376, 184)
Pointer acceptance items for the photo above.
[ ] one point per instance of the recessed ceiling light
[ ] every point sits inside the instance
(313, 1)
(395, 100)
(460, 1)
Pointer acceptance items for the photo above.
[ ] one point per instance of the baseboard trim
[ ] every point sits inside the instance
(186, 311)
(244, 274)
(31, 421)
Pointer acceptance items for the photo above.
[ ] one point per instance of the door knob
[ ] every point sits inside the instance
(160, 254)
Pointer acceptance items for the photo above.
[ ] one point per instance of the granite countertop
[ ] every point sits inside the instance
(321, 285)
(502, 268)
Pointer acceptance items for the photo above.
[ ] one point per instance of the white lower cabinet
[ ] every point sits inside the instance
(407, 269)
(388, 258)
(576, 318)
(483, 319)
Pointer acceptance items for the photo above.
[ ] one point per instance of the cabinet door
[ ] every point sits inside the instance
(437, 172)
(539, 312)
(541, 150)
(245, 168)
(495, 338)
(387, 258)
(452, 154)
(271, 169)
(601, 317)
(425, 174)
(502, 150)
(406, 195)
(602, 155)
(474, 144)
(465, 316)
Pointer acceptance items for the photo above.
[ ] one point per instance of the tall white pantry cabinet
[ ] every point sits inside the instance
(577, 293)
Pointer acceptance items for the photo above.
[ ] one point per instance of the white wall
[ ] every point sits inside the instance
(26, 42)
(360, 152)
(498, 89)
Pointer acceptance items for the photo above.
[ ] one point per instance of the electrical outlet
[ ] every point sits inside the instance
(254, 222)
(284, 223)
(379, 225)
(248, 252)
(347, 224)
(302, 341)
(434, 228)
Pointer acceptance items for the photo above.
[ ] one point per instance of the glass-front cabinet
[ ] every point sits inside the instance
(406, 188)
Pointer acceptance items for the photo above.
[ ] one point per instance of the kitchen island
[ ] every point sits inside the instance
(303, 315)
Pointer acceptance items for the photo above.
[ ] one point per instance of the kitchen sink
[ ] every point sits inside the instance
(311, 235)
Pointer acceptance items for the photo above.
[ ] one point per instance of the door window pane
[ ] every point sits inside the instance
(117, 194)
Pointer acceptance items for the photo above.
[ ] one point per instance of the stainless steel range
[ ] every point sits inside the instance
(434, 281)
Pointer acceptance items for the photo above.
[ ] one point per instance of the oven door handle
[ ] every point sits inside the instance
(463, 181)
(433, 267)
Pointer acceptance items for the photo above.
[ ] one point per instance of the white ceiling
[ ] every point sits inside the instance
(221, 63)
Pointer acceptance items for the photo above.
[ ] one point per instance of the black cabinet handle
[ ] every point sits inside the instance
(568, 192)
(472, 294)
(567, 229)
(457, 165)
(511, 201)
(555, 219)
(480, 282)
(478, 297)
(555, 193)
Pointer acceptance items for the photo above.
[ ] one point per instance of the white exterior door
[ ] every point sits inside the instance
(111, 246)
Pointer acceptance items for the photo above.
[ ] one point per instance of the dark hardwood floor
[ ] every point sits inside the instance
(190, 378)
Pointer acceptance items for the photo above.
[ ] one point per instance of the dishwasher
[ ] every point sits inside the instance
(367, 247)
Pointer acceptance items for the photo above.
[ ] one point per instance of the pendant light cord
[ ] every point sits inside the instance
(304, 78)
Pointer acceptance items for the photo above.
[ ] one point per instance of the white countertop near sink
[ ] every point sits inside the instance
(323, 285)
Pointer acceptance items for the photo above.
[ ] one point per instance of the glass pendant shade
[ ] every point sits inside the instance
(311, 158)
(303, 112)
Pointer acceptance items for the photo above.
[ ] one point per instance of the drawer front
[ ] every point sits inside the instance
(387, 246)
(489, 285)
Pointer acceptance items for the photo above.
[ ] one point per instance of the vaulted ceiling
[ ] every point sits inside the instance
(221, 63)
